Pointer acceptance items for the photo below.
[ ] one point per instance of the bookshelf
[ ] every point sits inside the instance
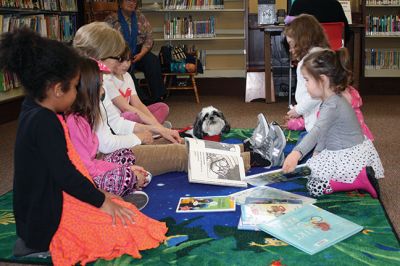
(55, 19)
(382, 38)
(222, 45)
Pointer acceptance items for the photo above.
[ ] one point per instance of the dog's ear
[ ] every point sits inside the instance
(198, 126)
(227, 126)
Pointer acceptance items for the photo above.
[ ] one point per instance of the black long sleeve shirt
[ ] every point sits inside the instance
(323, 11)
(42, 172)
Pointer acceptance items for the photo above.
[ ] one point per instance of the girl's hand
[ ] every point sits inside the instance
(138, 168)
(117, 211)
(291, 161)
(141, 175)
(169, 134)
(292, 113)
(145, 136)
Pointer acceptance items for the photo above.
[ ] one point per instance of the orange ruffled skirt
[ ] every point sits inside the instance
(86, 233)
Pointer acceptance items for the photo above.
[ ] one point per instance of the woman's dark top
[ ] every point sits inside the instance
(323, 11)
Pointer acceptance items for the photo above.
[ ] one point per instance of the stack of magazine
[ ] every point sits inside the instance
(263, 204)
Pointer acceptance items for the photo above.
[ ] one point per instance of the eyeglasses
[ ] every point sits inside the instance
(120, 59)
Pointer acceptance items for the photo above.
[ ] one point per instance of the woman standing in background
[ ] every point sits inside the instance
(137, 32)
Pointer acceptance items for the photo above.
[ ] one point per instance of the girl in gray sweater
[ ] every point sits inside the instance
(344, 159)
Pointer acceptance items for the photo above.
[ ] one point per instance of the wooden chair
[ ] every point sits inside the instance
(334, 32)
(169, 77)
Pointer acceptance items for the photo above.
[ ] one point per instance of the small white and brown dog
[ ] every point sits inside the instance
(210, 122)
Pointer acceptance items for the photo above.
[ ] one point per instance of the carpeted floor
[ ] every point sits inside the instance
(381, 115)
(212, 238)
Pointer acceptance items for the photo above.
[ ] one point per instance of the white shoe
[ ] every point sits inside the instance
(149, 177)
(260, 132)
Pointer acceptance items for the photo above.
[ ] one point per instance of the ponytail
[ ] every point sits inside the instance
(333, 64)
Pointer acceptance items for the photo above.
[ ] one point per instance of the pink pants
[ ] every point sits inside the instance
(296, 124)
(159, 110)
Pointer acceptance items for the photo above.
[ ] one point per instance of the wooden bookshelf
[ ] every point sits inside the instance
(55, 19)
(225, 53)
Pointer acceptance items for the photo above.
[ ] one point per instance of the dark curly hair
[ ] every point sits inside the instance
(37, 62)
(87, 102)
(333, 64)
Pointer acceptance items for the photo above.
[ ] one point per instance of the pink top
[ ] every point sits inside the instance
(354, 98)
(86, 144)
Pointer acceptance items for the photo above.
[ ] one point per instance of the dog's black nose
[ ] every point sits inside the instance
(211, 118)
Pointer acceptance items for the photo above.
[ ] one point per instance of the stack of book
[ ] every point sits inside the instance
(263, 204)
(287, 216)
(193, 4)
(292, 218)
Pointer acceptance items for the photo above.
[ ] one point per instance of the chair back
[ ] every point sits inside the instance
(334, 32)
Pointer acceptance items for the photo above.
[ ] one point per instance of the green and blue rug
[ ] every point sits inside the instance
(213, 238)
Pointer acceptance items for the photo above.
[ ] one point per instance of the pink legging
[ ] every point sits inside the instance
(159, 110)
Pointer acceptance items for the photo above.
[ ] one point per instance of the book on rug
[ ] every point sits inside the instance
(206, 204)
(274, 176)
(310, 229)
(254, 214)
(215, 163)
(265, 192)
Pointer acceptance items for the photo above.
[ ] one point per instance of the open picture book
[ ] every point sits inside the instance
(215, 163)
(274, 176)
(267, 194)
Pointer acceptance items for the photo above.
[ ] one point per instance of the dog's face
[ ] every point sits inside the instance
(210, 121)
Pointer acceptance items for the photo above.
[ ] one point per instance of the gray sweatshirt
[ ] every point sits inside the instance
(337, 128)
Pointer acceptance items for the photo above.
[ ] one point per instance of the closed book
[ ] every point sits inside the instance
(206, 204)
(310, 229)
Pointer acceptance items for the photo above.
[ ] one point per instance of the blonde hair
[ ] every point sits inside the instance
(99, 41)
(306, 32)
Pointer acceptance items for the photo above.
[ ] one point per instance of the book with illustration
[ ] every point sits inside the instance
(254, 214)
(310, 229)
(215, 163)
(206, 204)
(274, 176)
(268, 193)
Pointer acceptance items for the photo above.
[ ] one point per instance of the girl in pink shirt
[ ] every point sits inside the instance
(115, 172)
